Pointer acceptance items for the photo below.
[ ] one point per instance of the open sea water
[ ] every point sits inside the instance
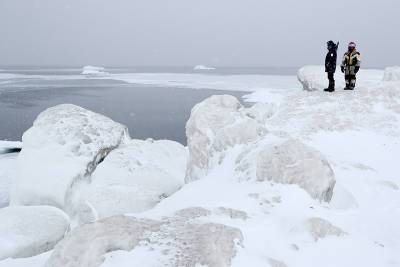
(148, 111)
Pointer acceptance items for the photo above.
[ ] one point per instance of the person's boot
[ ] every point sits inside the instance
(348, 87)
(331, 87)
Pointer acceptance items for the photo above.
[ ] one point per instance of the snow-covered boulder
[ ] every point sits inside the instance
(182, 241)
(62, 148)
(293, 162)
(93, 71)
(312, 78)
(392, 74)
(133, 178)
(320, 228)
(217, 123)
(203, 67)
(28, 231)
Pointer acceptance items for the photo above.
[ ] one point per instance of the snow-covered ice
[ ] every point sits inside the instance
(29, 231)
(62, 148)
(315, 78)
(229, 217)
(215, 125)
(8, 169)
(392, 74)
(173, 241)
(133, 178)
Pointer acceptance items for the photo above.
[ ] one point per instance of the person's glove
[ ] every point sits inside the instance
(342, 69)
(356, 69)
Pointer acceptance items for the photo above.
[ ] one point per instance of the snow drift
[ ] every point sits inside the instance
(181, 240)
(132, 178)
(392, 74)
(217, 123)
(63, 147)
(29, 231)
(93, 71)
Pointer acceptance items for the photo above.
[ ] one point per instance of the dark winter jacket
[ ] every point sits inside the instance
(330, 61)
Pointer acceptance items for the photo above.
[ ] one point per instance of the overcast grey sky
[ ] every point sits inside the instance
(190, 32)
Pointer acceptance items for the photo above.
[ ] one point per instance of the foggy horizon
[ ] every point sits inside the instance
(181, 33)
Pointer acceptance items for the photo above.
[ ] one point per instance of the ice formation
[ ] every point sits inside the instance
(28, 231)
(8, 172)
(133, 178)
(392, 74)
(62, 148)
(93, 71)
(217, 123)
(203, 67)
(182, 241)
(292, 162)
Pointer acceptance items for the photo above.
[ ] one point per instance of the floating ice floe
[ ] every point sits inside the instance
(27, 231)
(93, 71)
(203, 67)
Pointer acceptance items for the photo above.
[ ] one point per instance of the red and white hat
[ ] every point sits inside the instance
(352, 44)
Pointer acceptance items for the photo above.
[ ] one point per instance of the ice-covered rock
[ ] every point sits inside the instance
(217, 123)
(62, 148)
(8, 172)
(312, 78)
(28, 231)
(203, 67)
(133, 178)
(392, 74)
(320, 228)
(293, 162)
(183, 241)
(93, 71)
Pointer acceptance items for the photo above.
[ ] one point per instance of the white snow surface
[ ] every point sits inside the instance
(356, 132)
(392, 74)
(63, 147)
(29, 231)
(133, 178)
(314, 78)
(93, 71)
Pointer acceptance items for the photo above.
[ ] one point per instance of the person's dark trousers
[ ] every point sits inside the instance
(331, 78)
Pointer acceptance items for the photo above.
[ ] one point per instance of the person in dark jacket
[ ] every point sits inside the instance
(330, 65)
(350, 66)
